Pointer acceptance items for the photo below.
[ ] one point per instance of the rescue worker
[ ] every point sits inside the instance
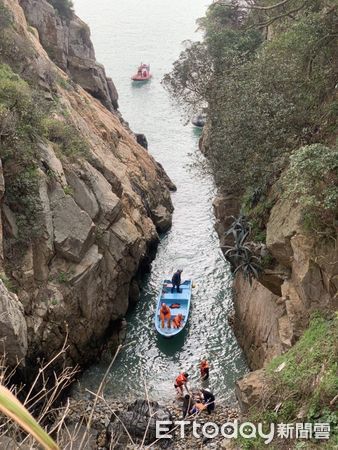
(204, 369)
(188, 403)
(176, 281)
(181, 383)
(177, 321)
(165, 314)
(209, 400)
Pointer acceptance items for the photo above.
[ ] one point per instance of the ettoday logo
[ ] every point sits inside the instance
(246, 430)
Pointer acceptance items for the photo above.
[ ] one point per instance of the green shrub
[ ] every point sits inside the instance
(7, 282)
(66, 137)
(64, 277)
(68, 190)
(5, 17)
(307, 383)
(312, 181)
(64, 83)
(22, 196)
(315, 353)
(20, 124)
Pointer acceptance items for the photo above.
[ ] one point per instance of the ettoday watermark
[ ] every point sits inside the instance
(247, 430)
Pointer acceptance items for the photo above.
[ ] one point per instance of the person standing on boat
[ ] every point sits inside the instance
(165, 314)
(176, 281)
(181, 383)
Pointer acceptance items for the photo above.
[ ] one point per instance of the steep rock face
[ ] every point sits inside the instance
(256, 324)
(272, 313)
(99, 218)
(249, 390)
(13, 328)
(68, 44)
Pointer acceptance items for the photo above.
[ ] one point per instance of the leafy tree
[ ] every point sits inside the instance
(190, 78)
(265, 97)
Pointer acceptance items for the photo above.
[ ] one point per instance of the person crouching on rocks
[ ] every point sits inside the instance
(181, 383)
(209, 400)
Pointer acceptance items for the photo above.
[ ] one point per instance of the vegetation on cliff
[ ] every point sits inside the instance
(301, 385)
(20, 123)
(268, 76)
(26, 119)
(267, 71)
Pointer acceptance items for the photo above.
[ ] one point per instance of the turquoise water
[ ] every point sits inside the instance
(126, 32)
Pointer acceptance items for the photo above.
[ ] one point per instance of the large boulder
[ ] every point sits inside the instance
(73, 228)
(140, 422)
(249, 390)
(162, 218)
(82, 194)
(284, 222)
(257, 314)
(109, 203)
(13, 328)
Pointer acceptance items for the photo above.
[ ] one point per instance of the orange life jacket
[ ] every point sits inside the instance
(165, 310)
(200, 406)
(203, 366)
(177, 320)
(181, 379)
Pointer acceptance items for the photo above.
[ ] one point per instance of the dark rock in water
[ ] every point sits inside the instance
(199, 120)
(134, 292)
(142, 140)
(170, 185)
(139, 418)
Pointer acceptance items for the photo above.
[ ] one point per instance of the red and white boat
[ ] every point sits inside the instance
(143, 73)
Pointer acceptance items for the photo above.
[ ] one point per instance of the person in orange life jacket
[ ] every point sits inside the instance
(165, 314)
(176, 281)
(181, 383)
(197, 408)
(204, 369)
(177, 321)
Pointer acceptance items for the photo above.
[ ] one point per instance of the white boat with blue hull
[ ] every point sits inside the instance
(178, 302)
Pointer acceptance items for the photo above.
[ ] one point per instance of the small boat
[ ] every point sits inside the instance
(199, 120)
(143, 73)
(178, 302)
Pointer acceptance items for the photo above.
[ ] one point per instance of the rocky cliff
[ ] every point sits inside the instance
(67, 42)
(273, 312)
(93, 198)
